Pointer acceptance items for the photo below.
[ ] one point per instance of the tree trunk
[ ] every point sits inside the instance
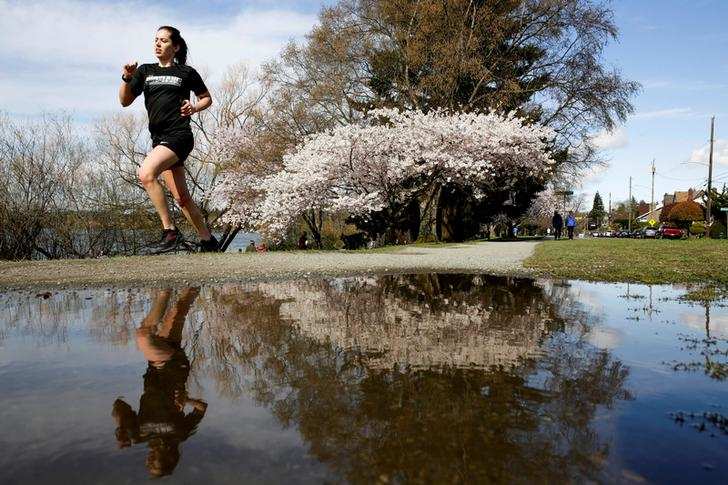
(314, 225)
(228, 236)
(455, 217)
(413, 219)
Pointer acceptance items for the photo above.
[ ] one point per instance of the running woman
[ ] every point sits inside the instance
(166, 85)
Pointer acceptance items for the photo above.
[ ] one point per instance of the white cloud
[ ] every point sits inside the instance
(720, 152)
(718, 323)
(593, 173)
(605, 337)
(68, 55)
(610, 140)
(666, 113)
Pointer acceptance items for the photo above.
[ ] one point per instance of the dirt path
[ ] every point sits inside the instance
(487, 257)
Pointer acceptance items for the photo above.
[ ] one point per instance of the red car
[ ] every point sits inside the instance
(671, 233)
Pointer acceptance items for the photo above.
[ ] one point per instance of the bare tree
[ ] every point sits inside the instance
(57, 202)
(37, 160)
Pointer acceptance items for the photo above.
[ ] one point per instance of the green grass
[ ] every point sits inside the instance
(634, 260)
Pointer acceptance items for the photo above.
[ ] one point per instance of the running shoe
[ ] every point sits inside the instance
(169, 241)
(210, 246)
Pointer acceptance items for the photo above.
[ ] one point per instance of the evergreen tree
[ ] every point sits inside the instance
(720, 200)
(597, 213)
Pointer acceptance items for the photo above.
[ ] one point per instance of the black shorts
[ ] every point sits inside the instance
(180, 143)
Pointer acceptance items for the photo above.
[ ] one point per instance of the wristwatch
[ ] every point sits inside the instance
(125, 79)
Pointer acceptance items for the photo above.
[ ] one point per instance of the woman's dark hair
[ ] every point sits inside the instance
(181, 56)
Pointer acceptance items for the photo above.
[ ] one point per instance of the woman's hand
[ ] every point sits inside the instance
(188, 109)
(129, 69)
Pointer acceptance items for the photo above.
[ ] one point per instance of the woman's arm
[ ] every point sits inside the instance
(204, 101)
(126, 95)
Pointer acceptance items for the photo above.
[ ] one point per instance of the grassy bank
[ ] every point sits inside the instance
(634, 260)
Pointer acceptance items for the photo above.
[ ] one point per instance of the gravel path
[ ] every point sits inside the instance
(183, 269)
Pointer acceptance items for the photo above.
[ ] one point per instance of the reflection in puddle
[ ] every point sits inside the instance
(161, 421)
(424, 378)
(409, 378)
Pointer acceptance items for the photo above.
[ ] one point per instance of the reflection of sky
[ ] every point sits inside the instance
(643, 328)
(640, 323)
(604, 337)
(718, 323)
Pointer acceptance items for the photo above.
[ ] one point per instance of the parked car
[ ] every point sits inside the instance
(648, 232)
(669, 232)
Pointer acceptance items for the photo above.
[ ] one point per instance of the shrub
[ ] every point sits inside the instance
(683, 213)
(717, 230)
(697, 228)
(665, 213)
(688, 211)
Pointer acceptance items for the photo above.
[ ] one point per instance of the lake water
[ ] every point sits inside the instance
(242, 240)
(388, 379)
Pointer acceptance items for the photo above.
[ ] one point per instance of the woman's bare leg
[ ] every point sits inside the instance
(156, 162)
(174, 319)
(176, 183)
(158, 309)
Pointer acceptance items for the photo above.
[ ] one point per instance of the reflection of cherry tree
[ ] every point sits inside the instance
(415, 322)
(413, 423)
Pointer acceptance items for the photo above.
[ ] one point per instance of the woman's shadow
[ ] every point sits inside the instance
(161, 421)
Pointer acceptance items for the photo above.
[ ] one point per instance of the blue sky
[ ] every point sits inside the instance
(67, 55)
(678, 50)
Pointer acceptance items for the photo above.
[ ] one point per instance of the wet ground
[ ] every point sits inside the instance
(401, 379)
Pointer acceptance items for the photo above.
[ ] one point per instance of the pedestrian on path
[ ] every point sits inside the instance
(558, 222)
(570, 224)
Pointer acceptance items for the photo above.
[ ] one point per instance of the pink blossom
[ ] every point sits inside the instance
(387, 159)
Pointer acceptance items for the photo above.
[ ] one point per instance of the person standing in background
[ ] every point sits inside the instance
(558, 222)
(570, 224)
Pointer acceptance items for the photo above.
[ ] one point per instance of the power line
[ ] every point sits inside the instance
(683, 179)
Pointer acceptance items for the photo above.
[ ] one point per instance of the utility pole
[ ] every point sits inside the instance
(609, 214)
(710, 179)
(629, 206)
(652, 197)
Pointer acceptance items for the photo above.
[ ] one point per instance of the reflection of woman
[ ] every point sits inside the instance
(161, 421)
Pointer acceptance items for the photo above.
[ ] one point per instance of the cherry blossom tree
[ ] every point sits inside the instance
(544, 205)
(383, 163)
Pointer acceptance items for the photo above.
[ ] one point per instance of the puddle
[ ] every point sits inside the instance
(413, 378)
